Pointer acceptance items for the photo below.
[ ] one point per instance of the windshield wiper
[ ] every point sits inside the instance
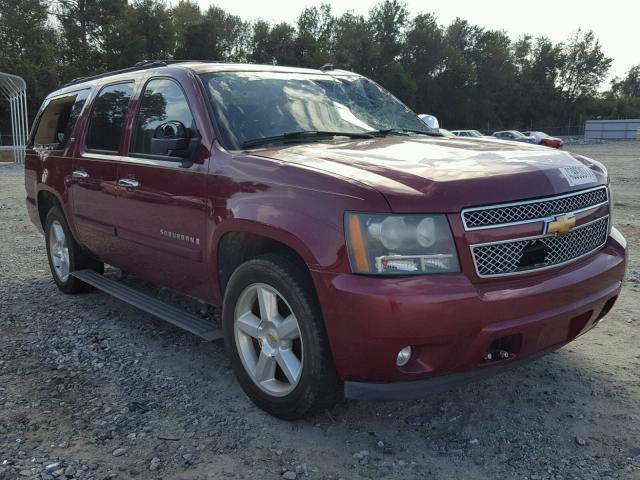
(403, 131)
(302, 136)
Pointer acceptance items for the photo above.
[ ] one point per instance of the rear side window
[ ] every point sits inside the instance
(162, 101)
(108, 117)
(58, 119)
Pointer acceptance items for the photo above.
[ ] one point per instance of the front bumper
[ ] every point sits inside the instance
(451, 323)
(415, 389)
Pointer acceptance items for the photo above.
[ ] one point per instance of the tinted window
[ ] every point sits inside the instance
(162, 101)
(58, 119)
(108, 116)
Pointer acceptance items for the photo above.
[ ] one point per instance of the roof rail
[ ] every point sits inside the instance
(138, 66)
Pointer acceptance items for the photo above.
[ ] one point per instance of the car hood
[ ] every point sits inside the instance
(439, 174)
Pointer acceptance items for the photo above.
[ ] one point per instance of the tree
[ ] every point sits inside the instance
(468, 76)
(217, 36)
(494, 78)
(583, 66)
(143, 32)
(273, 45)
(353, 48)
(629, 86)
(28, 46)
(314, 42)
(455, 83)
(84, 25)
(388, 22)
(186, 15)
(424, 56)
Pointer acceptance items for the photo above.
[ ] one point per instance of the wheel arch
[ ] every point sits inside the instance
(46, 199)
(242, 240)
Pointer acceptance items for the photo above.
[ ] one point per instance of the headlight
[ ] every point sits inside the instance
(400, 244)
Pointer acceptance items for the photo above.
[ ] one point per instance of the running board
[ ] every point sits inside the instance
(155, 307)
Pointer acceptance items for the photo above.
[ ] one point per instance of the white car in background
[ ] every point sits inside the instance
(468, 133)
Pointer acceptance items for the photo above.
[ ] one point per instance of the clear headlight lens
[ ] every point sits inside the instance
(400, 244)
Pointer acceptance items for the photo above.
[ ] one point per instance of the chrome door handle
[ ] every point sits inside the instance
(128, 183)
(79, 174)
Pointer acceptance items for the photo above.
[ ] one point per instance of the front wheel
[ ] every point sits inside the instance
(276, 340)
(65, 255)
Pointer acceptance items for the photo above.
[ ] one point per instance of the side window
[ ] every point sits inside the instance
(58, 119)
(108, 117)
(162, 101)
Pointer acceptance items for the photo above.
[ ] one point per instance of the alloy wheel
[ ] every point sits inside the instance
(268, 339)
(59, 251)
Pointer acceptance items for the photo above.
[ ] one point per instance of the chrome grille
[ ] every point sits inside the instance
(504, 258)
(532, 210)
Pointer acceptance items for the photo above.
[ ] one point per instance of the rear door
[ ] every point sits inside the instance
(95, 172)
(163, 197)
(53, 144)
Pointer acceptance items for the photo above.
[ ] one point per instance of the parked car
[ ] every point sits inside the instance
(544, 139)
(514, 136)
(468, 133)
(351, 249)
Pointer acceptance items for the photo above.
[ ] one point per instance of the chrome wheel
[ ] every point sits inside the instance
(268, 339)
(59, 251)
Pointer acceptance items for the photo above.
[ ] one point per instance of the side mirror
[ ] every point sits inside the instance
(430, 120)
(171, 139)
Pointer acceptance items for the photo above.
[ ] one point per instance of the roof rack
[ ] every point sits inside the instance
(138, 66)
(327, 66)
(141, 65)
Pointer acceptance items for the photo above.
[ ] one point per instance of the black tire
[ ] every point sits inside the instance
(318, 386)
(78, 260)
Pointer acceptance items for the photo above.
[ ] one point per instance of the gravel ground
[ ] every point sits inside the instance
(93, 389)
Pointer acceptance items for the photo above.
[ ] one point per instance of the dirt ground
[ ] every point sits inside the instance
(93, 389)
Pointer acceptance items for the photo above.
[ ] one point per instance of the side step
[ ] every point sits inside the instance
(164, 311)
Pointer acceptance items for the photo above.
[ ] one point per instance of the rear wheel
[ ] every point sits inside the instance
(65, 255)
(276, 340)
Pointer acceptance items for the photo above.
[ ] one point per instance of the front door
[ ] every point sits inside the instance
(163, 199)
(95, 173)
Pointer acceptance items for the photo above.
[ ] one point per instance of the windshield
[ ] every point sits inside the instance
(474, 133)
(517, 134)
(254, 105)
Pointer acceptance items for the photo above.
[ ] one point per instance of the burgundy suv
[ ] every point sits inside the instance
(352, 248)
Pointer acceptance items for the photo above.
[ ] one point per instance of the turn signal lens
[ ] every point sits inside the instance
(358, 250)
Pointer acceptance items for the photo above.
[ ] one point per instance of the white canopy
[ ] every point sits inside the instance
(14, 90)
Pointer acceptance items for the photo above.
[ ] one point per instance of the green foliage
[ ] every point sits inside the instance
(468, 76)
(28, 48)
(629, 86)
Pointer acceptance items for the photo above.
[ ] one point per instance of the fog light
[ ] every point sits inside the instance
(404, 356)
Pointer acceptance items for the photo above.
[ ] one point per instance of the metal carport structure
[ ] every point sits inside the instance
(14, 90)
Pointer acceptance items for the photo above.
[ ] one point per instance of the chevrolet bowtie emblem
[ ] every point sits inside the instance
(561, 225)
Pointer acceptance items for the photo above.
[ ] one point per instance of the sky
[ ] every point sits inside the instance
(616, 23)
